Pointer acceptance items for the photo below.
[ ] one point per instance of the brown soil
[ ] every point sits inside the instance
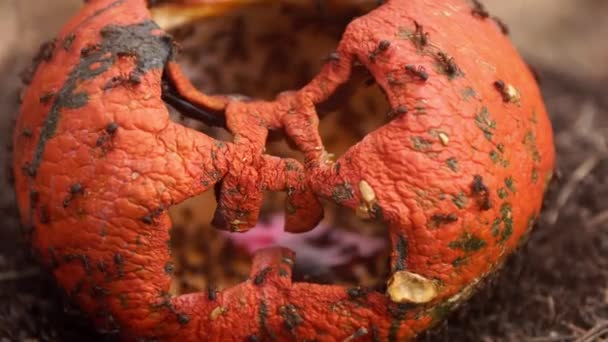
(553, 289)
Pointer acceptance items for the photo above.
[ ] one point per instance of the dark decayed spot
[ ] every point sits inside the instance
(68, 40)
(401, 110)
(342, 192)
(46, 97)
(149, 51)
(399, 313)
(111, 128)
(183, 319)
(263, 317)
(402, 248)
(119, 261)
(261, 276)
(355, 292)
(438, 220)
(481, 191)
(27, 133)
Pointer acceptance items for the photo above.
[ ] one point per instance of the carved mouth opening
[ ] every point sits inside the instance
(260, 52)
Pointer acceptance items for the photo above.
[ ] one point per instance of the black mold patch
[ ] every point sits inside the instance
(149, 51)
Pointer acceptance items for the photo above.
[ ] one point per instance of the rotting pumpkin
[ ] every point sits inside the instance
(98, 162)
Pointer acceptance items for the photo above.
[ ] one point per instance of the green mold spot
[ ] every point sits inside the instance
(534, 176)
(498, 159)
(460, 200)
(404, 33)
(421, 144)
(501, 148)
(496, 227)
(468, 93)
(452, 164)
(507, 232)
(502, 193)
(485, 123)
(534, 117)
(510, 183)
(468, 243)
(506, 212)
(530, 143)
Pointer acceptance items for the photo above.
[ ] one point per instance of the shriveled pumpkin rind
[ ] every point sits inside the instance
(458, 174)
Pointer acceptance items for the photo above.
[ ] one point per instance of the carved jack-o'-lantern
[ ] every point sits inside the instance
(456, 170)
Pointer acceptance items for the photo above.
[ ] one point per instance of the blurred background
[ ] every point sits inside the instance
(554, 289)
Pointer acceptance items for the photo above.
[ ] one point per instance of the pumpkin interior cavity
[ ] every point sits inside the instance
(259, 53)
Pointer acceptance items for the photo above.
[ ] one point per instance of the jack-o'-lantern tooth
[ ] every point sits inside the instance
(408, 287)
(367, 192)
(444, 138)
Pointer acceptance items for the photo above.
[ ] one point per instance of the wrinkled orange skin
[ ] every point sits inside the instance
(108, 245)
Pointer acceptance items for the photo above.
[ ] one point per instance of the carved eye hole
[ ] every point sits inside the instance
(259, 53)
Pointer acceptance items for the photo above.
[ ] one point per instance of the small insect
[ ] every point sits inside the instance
(383, 45)
(501, 24)
(479, 10)
(448, 64)
(417, 71)
(420, 38)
